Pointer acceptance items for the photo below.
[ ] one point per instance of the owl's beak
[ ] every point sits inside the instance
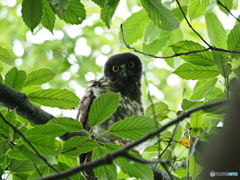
(123, 71)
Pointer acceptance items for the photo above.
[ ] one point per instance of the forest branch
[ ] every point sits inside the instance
(16, 100)
(107, 159)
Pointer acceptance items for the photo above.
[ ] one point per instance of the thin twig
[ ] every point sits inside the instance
(189, 24)
(225, 7)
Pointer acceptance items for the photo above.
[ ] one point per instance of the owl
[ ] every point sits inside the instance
(122, 74)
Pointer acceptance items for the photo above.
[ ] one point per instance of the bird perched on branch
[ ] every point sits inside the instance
(122, 74)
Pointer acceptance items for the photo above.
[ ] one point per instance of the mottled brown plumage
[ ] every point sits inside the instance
(122, 74)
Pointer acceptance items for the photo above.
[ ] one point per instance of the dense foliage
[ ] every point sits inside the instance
(185, 39)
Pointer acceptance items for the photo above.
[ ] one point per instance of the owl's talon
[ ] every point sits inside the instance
(121, 144)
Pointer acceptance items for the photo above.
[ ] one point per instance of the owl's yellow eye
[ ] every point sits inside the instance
(115, 68)
(131, 64)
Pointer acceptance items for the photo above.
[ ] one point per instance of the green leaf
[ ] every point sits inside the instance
(152, 32)
(63, 167)
(104, 172)
(108, 11)
(48, 19)
(216, 32)
(51, 130)
(133, 127)
(71, 125)
(15, 79)
(100, 3)
(61, 98)
(59, 4)
(40, 171)
(204, 58)
(203, 88)
(224, 66)
(17, 166)
(158, 110)
(133, 169)
(5, 128)
(32, 12)
(74, 14)
(191, 71)
(45, 145)
(196, 119)
(195, 167)
(160, 15)
(155, 109)
(78, 145)
(103, 107)
(39, 76)
(233, 41)
(31, 155)
(5, 56)
(15, 153)
(189, 104)
(227, 3)
(196, 8)
(134, 26)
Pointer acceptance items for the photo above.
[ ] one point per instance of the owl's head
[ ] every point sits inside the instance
(126, 67)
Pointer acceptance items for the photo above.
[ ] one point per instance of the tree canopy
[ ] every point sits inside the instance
(49, 49)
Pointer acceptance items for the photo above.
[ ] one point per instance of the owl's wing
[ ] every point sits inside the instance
(84, 107)
(95, 89)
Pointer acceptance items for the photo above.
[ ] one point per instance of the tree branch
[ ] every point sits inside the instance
(13, 99)
(107, 159)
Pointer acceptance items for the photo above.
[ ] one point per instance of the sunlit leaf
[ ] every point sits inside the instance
(5, 56)
(160, 15)
(233, 41)
(191, 71)
(103, 107)
(189, 104)
(30, 155)
(60, 98)
(133, 127)
(204, 58)
(103, 172)
(15, 79)
(18, 166)
(134, 26)
(48, 19)
(133, 169)
(196, 119)
(196, 8)
(32, 12)
(78, 145)
(5, 128)
(46, 130)
(216, 32)
(227, 3)
(224, 66)
(108, 11)
(45, 145)
(158, 110)
(203, 88)
(39, 76)
(74, 14)
(71, 125)
(195, 167)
